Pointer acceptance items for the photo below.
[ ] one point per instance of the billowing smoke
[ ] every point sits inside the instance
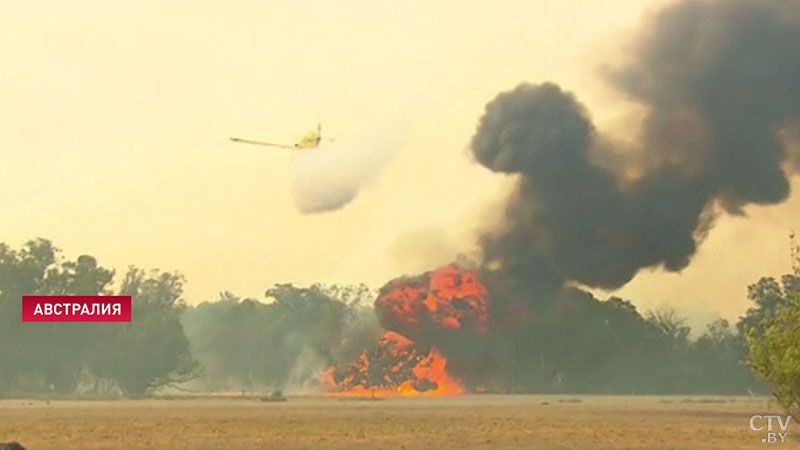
(330, 176)
(719, 84)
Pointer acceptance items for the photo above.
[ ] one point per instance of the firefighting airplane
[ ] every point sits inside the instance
(309, 141)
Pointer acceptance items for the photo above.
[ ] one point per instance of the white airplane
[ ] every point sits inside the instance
(309, 141)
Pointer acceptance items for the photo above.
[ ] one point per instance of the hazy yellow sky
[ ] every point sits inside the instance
(114, 119)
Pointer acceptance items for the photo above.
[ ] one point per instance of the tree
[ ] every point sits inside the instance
(288, 340)
(152, 350)
(775, 352)
(44, 356)
(774, 343)
(667, 324)
(718, 357)
(767, 294)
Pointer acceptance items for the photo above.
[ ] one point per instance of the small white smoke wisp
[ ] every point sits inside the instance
(330, 176)
(303, 377)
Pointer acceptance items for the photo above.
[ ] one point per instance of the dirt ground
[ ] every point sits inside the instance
(467, 422)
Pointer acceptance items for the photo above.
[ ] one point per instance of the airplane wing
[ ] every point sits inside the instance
(266, 144)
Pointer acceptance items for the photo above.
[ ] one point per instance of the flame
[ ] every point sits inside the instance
(418, 308)
(449, 299)
(457, 298)
(393, 368)
(433, 368)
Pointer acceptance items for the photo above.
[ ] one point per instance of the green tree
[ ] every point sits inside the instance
(774, 343)
(151, 351)
(775, 352)
(290, 338)
(44, 356)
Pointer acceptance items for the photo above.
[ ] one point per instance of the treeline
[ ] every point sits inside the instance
(245, 344)
(285, 341)
(584, 345)
(65, 358)
(228, 344)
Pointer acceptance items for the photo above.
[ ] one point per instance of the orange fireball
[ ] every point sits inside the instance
(448, 300)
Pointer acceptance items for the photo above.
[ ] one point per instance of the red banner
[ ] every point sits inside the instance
(76, 308)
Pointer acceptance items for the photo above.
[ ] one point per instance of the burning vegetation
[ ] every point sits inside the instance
(717, 89)
(715, 108)
(419, 312)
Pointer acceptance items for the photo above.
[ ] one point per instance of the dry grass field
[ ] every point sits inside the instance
(468, 422)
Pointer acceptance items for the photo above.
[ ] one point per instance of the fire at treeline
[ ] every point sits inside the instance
(717, 89)
(438, 333)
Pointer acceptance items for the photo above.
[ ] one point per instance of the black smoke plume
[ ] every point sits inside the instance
(718, 82)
